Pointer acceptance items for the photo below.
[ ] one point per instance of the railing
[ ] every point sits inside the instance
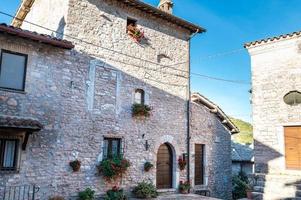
(23, 192)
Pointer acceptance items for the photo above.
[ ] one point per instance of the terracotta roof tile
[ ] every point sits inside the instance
(42, 38)
(271, 39)
(20, 123)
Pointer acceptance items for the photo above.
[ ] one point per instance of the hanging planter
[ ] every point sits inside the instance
(140, 110)
(182, 163)
(148, 166)
(135, 33)
(113, 168)
(75, 165)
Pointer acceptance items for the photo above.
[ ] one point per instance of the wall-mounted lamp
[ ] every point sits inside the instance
(147, 145)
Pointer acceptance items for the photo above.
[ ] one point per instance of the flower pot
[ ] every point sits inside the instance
(184, 191)
(249, 194)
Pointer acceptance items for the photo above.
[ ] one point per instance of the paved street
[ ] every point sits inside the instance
(183, 197)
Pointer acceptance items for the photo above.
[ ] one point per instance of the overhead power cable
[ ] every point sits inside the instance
(152, 62)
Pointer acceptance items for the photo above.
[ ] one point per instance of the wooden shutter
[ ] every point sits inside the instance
(199, 164)
(292, 147)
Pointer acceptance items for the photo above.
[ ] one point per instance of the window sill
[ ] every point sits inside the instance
(12, 90)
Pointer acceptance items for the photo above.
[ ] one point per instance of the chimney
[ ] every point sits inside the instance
(166, 6)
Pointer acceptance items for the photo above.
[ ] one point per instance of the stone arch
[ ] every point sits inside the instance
(171, 142)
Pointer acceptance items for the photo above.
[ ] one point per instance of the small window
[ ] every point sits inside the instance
(112, 147)
(131, 21)
(139, 96)
(13, 70)
(292, 98)
(9, 154)
(130, 24)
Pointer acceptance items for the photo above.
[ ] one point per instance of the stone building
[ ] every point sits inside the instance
(76, 99)
(242, 158)
(276, 85)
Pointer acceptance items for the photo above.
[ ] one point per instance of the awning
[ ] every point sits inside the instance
(29, 124)
(24, 124)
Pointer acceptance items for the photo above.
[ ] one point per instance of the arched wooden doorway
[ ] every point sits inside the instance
(164, 167)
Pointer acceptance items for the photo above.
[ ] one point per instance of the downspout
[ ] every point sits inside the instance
(188, 105)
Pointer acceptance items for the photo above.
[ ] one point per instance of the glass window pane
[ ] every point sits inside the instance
(12, 71)
(105, 149)
(138, 97)
(9, 154)
(115, 147)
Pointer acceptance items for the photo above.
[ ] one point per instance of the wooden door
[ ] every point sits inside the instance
(199, 164)
(292, 147)
(164, 167)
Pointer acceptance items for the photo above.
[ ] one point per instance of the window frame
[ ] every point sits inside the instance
(142, 92)
(25, 69)
(17, 152)
(110, 147)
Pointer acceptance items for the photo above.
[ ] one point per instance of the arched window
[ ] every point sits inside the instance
(292, 98)
(139, 96)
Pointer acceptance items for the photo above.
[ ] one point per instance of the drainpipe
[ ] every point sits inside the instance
(188, 106)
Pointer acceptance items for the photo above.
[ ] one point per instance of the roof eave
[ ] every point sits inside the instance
(22, 12)
(225, 120)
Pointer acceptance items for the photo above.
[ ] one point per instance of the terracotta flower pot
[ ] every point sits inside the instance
(184, 191)
(249, 194)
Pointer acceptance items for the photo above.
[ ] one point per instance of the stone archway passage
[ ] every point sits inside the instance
(164, 167)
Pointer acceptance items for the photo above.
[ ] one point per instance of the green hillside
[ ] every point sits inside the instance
(246, 132)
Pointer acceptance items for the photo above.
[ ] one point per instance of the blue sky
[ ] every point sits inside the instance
(229, 24)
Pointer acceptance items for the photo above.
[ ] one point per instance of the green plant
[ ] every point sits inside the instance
(240, 185)
(57, 198)
(145, 190)
(140, 110)
(184, 187)
(115, 194)
(87, 194)
(75, 165)
(113, 168)
(148, 166)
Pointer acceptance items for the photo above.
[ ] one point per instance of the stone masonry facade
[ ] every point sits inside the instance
(276, 69)
(84, 95)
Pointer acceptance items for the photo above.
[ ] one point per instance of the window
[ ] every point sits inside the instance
(9, 154)
(131, 21)
(12, 70)
(112, 147)
(139, 96)
(292, 98)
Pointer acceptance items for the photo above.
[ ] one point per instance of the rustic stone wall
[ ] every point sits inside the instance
(84, 95)
(208, 130)
(275, 72)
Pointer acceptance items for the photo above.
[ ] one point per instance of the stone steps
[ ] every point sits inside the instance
(277, 186)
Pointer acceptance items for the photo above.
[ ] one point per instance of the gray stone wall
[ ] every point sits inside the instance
(84, 95)
(275, 72)
(208, 130)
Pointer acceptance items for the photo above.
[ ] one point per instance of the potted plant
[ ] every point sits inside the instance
(184, 187)
(140, 110)
(115, 194)
(145, 190)
(75, 165)
(148, 166)
(87, 194)
(136, 33)
(182, 163)
(112, 168)
(249, 190)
